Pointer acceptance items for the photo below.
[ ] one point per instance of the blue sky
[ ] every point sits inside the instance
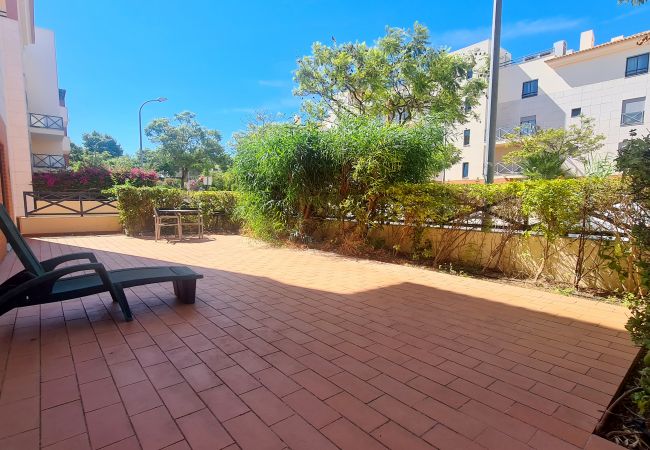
(224, 60)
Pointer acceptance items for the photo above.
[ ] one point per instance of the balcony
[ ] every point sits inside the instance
(633, 118)
(46, 122)
(527, 58)
(524, 129)
(508, 169)
(49, 162)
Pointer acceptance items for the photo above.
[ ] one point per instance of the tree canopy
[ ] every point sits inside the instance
(543, 153)
(97, 142)
(399, 78)
(184, 145)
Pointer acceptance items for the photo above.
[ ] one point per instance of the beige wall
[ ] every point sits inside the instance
(69, 225)
(521, 256)
(49, 144)
(28, 83)
(13, 109)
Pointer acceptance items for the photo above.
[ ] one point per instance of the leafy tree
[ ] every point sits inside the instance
(184, 145)
(634, 161)
(96, 142)
(543, 154)
(292, 173)
(399, 78)
(81, 158)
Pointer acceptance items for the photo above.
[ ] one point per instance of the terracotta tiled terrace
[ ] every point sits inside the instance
(305, 350)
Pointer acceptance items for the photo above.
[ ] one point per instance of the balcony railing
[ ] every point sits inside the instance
(525, 129)
(505, 169)
(40, 161)
(523, 59)
(634, 118)
(46, 121)
(68, 204)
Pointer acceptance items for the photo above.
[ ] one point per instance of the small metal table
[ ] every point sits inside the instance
(174, 218)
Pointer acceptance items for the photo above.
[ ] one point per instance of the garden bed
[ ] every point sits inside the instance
(621, 423)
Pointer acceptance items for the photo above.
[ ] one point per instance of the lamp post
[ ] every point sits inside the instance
(159, 100)
(495, 53)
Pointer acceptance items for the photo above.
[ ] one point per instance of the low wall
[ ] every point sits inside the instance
(514, 255)
(50, 225)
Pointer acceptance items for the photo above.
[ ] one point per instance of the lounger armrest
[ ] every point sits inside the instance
(50, 264)
(42, 285)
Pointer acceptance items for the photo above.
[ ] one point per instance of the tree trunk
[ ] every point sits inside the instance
(183, 176)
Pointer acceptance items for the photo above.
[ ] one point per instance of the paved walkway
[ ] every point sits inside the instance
(305, 350)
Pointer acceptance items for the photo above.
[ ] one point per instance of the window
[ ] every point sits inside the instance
(575, 112)
(465, 170)
(467, 107)
(470, 73)
(466, 137)
(637, 65)
(528, 125)
(529, 89)
(633, 111)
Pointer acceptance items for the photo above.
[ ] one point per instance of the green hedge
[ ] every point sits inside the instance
(136, 206)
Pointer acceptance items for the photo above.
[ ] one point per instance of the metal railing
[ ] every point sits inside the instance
(634, 118)
(525, 129)
(40, 161)
(531, 57)
(46, 121)
(67, 204)
(501, 168)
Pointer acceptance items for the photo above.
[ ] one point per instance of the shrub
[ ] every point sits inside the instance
(292, 174)
(135, 177)
(217, 207)
(85, 179)
(91, 179)
(136, 206)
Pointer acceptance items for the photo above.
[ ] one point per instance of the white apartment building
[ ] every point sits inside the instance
(33, 116)
(608, 82)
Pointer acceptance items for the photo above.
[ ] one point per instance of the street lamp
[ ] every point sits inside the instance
(159, 100)
(493, 89)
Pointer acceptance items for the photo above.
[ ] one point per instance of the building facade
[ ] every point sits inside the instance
(33, 115)
(552, 89)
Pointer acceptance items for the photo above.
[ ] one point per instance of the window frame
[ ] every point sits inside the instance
(636, 72)
(630, 122)
(530, 93)
(467, 135)
(527, 125)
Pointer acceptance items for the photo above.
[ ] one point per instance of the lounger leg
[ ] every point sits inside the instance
(118, 296)
(185, 291)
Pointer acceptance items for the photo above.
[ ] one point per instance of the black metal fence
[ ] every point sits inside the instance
(46, 121)
(41, 161)
(68, 204)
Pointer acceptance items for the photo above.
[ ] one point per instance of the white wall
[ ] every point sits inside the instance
(594, 81)
(41, 77)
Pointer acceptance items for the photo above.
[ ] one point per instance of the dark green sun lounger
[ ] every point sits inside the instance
(41, 282)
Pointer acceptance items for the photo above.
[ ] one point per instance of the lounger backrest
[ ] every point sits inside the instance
(18, 243)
